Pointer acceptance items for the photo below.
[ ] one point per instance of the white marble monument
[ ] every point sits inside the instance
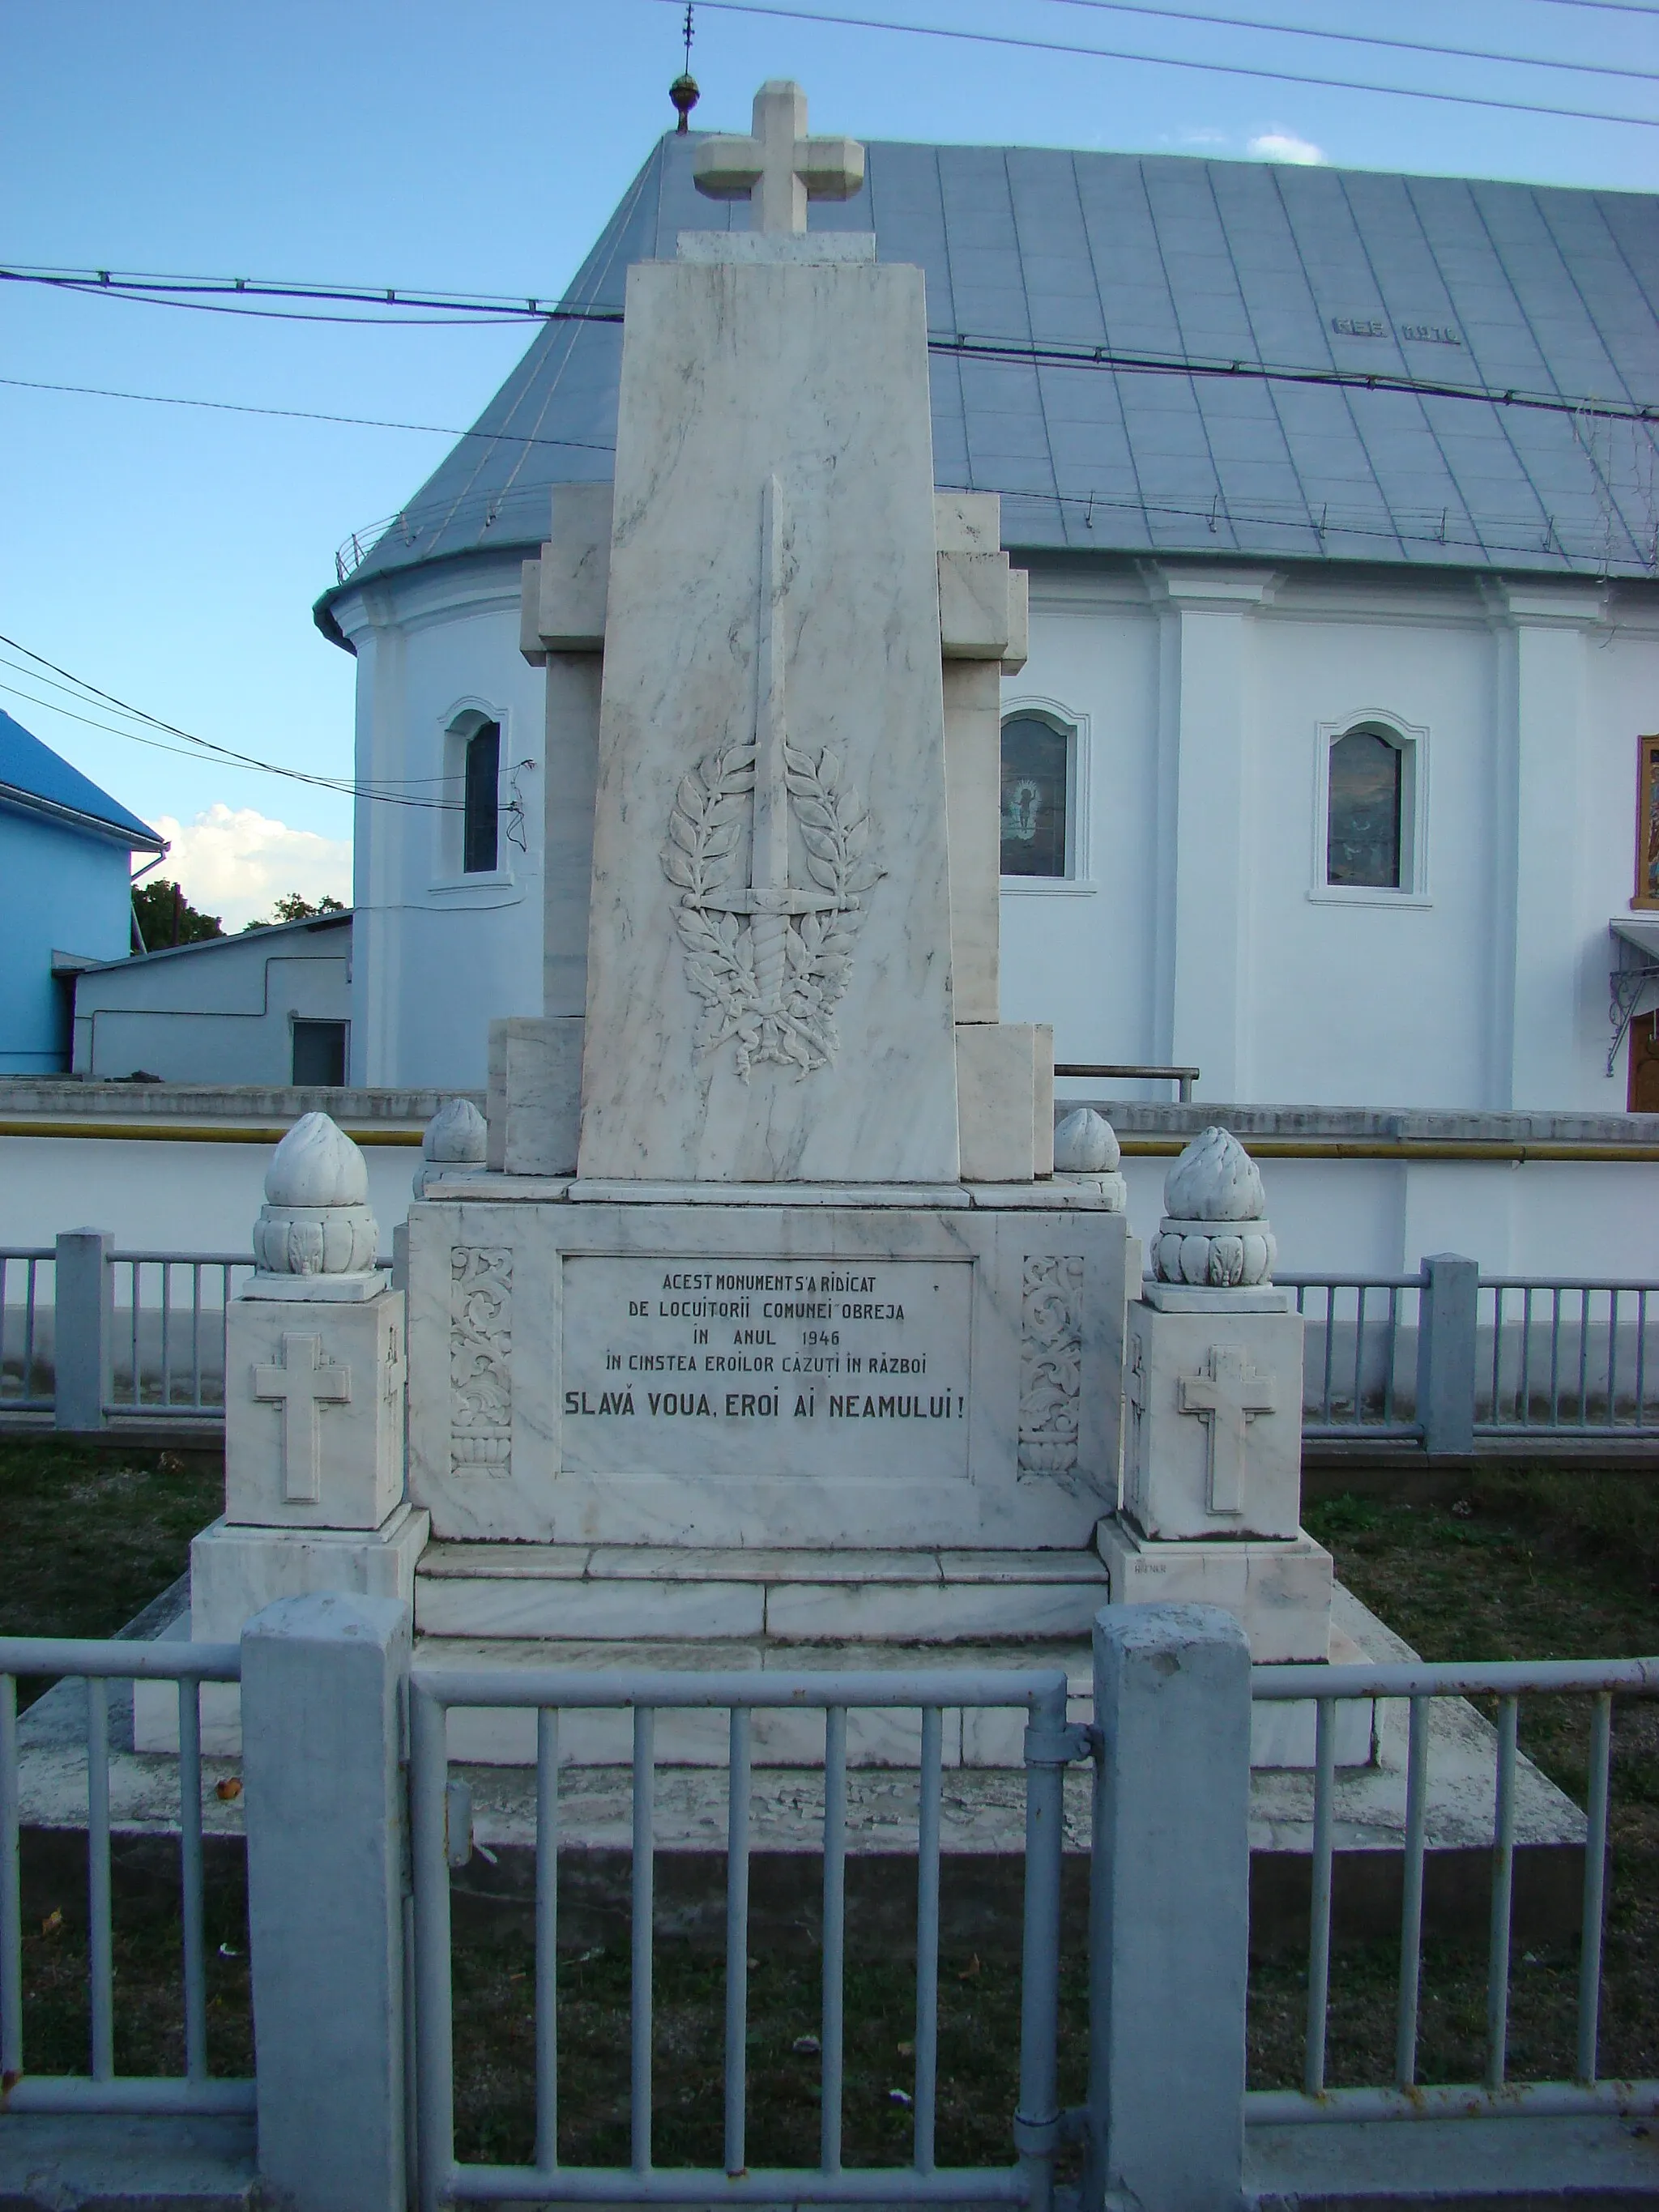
(768, 1316)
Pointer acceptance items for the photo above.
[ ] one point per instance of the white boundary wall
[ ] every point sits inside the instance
(1375, 1215)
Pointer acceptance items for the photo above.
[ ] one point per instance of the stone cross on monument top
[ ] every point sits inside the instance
(778, 168)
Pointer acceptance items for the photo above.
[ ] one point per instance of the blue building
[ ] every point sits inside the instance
(65, 893)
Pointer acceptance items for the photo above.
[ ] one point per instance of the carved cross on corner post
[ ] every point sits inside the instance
(1225, 1398)
(779, 168)
(303, 1382)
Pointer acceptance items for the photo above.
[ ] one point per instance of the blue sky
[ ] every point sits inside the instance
(171, 554)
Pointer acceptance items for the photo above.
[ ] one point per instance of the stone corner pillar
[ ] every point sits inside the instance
(315, 1368)
(1168, 1915)
(323, 1683)
(1212, 1500)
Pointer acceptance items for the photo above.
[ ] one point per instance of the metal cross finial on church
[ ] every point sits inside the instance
(778, 168)
(1225, 1398)
(303, 1382)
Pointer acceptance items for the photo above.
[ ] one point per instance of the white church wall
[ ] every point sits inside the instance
(441, 953)
(1081, 953)
(1205, 933)
(1370, 998)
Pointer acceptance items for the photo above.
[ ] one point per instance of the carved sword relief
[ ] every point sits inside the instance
(769, 960)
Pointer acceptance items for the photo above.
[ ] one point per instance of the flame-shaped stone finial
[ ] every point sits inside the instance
(457, 1136)
(1215, 1179)
(1215, 1231)
(316, 1164)
(1086, 1143)
(315, 1220)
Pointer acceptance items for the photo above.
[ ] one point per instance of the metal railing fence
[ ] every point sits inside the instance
(1567, 1355)
(25, 1375)
(168, 1352)
(1050, 1744)
(1359, 1350)
(1497, 2095)
(1438, 1359)
(101, 2089)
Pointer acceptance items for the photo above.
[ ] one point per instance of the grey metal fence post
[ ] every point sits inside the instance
(325, 1689)
(1448, 1308)
(83, 1329)
(1169, 1917)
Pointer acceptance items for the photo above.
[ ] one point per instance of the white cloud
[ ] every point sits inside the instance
(1285, 146)
(1204, 138)
(236, 863)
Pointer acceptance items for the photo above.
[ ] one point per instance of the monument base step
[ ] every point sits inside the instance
(1281, 1735)
(600, 1594)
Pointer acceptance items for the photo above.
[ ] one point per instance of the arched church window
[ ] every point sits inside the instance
(1037, 774)
(1365, 826)
(480, 802)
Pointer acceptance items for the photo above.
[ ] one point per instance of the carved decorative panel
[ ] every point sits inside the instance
(1050, 1364)
(481, 1359)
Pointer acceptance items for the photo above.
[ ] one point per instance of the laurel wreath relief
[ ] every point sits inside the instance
(768, 982)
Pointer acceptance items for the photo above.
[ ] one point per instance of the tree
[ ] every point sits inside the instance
(294, 906)
(165, 917)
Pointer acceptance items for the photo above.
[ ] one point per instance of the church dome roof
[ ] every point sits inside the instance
(1206, 272)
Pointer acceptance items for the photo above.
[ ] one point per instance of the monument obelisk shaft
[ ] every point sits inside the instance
(768, 966)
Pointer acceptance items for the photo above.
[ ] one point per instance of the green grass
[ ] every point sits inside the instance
(1542, 1563)
(90, 1536)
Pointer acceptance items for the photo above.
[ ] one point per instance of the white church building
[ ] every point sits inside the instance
(1332, 771)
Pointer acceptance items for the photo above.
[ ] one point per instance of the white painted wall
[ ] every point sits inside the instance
(1375, 1217)
(221, 1011)
(164, 1197)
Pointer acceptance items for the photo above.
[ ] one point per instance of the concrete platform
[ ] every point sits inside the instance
(91, 2162)
(984, 1810)
(1508, 2165)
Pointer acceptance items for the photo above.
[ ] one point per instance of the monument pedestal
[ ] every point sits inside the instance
(781, 1364)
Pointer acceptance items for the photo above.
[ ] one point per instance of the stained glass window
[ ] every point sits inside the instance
(483, 765)
(1362, 842)
(1036, 797)
(1647, 832)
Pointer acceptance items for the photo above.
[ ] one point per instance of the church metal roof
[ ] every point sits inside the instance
(1214, 271)
(40, 782)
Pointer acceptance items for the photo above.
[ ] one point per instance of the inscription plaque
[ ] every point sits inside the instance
(847, 1369)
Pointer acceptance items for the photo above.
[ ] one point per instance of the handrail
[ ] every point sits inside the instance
(166, 1661)
(1450, 1679)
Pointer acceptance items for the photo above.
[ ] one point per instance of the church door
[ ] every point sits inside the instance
(1644, 1065)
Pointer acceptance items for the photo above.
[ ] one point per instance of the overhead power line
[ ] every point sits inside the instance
(1607, 7)
(965, 345)
(1170, 61)
(228, 296)
(302, 414)
(87, 694)
(1361, 39)
(1349, 379)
